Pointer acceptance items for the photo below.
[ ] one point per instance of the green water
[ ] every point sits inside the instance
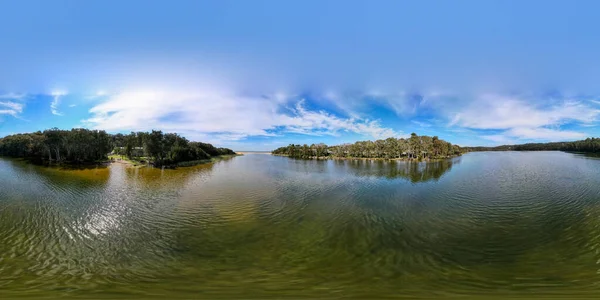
(502, 224)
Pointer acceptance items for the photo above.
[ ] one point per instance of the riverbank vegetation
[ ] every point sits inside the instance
(81, 146)
(414, 147)
(589, 145)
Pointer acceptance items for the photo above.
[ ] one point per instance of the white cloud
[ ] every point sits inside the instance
(18, 107)
(421, 124)
(349, 104)
(524, 120)
(11, 108)
(499, 138)
(7, 112)
(545, 134)
(404, 103)
(96, 95)
(322, 123)
(216, 115)
(399, 102)
(517, 135)
(189, 112)
(56, 102)
(13, 96)
(497, 112)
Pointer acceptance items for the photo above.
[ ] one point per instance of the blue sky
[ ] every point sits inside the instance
(255, 75)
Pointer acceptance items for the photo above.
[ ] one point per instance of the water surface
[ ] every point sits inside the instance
(490, 224)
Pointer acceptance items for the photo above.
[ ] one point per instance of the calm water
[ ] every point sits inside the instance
(522, 224)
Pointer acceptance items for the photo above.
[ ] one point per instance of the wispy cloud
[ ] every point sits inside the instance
(96, 95)
(323, 123)
(222, 116)
(350, 104)
(406, 103)
(13, 96)
(499, 139)
(11, 108)
(421, 124)
(545, 134)
(521, 119)
(496, 112)
(56, 95)
(401, 102)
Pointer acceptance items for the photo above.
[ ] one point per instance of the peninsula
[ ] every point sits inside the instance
(83, 146)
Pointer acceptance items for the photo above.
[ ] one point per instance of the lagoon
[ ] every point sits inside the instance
(486, 224)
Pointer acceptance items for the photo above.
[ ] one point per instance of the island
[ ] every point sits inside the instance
(80, 146)
(413, 148)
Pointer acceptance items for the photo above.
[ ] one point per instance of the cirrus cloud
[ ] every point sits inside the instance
(499, 112)
(11, 104)
(519, 119)
(56, 95)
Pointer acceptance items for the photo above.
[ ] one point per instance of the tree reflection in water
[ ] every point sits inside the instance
(413, 171)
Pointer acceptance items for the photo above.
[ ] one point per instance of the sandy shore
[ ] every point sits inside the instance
(127, 163)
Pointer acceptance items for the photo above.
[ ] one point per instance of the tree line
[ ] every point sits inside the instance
(414, 147)
(84, 146)
(589, 145)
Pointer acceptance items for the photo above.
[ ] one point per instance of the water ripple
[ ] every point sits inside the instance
(496, 224)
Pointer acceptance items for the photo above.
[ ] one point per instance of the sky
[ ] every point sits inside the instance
(257, 75)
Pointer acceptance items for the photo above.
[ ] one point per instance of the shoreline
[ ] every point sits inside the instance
(118, 161)
(370, 158)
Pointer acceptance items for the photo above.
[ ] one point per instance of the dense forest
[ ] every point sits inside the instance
(85, 146)
(589, 145)
(414, 147)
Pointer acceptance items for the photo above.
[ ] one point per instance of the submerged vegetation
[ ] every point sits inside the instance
(589, 145)
(78, 146)
(414, 147)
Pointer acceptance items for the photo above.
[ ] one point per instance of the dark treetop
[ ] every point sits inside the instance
(415, 147)
(589, 145)
(84, 146)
